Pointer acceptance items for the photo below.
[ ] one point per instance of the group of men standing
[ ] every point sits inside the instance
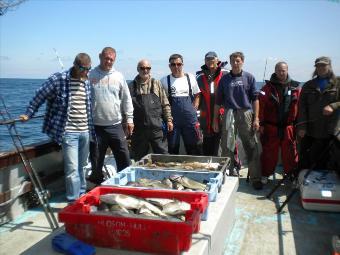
(99, 105)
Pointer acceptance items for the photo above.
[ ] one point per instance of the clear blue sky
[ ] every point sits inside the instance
(293, 31)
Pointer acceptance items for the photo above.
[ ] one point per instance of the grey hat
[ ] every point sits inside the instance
(211, 54)
(323, 60)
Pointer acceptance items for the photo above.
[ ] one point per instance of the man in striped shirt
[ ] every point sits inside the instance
(68, 119)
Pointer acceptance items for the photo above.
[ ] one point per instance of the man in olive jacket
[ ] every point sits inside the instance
(151, 109)
(318, 120)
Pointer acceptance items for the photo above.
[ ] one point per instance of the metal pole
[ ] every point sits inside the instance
(265, 69)
(34, 177)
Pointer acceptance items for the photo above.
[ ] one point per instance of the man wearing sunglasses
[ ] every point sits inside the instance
(150, 109)
(68, 119)
(111, 103)
(182, 90)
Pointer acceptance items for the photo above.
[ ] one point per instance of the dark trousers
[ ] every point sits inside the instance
(314, 153)
(113, 137)
(185, 125)
(211, 144)
(143, 137)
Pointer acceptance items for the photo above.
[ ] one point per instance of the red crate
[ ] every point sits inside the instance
(130, 233)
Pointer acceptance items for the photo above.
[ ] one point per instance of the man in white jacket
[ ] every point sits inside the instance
(111, 103)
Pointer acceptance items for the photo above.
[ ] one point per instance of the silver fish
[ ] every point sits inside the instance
(118, 208)
(176, 208)
(152, 183)
(183, 165)
(178, 186)
(167, 183)
(130, 202)
(146, 212)
(188, 183)
(153, 209)
(159, 202)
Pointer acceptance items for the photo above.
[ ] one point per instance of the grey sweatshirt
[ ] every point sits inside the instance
(110, 97)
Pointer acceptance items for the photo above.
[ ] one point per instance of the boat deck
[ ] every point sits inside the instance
(257, 228)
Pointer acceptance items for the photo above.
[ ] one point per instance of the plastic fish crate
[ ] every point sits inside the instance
(223, 162)
(132, 174)
(131, 233)
(320, 190)
(213, 180)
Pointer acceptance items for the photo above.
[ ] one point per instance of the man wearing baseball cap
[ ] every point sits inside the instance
(208, 79)
(318, 120)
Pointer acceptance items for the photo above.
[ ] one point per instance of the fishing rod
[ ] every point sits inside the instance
(59, 59)
(32, 173)
(265, 68)
(11, 121)
(264, 72)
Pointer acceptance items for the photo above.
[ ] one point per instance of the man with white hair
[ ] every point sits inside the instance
(150, 109)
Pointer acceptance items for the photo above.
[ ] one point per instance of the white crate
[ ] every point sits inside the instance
(320, 191)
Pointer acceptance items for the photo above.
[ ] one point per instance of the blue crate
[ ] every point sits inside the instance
(223, 162)
(134, 173)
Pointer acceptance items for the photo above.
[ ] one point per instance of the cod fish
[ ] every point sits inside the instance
(160, 202)
(199, 165)
(167, 183)
(176, 208)
(178, 186)
(184, 165)
(130, 202)
(118, 208)
(146, 212)
(188, 183)
(152, 183)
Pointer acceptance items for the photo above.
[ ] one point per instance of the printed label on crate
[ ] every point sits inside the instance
(326, 193)
(122, 224)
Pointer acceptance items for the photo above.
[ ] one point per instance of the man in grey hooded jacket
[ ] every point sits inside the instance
(111, 103)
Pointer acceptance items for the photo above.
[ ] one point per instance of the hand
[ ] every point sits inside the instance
(23, 117)
(130, 128)
(327, 110)
(215, 126)
(256, 124)
(301, 133)
(261, 130)
(170, 126)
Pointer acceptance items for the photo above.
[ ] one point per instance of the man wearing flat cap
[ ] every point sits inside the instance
(318, 120)
(208, 79)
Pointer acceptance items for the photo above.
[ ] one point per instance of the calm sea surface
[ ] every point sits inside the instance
(16, 94)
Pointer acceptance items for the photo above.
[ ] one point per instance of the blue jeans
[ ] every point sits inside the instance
(75, 152)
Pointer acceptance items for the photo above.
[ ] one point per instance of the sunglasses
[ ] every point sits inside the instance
(176, 64)
(145, 68)
(83, 68)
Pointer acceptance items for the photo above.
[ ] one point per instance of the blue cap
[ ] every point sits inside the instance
(211, 54)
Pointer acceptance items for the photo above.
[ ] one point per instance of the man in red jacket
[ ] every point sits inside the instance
(207, 80)
(277, 114)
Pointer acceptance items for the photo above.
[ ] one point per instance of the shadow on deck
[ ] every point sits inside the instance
(259, 229)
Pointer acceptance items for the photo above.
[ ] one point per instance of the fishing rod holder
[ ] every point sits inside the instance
(40, 191)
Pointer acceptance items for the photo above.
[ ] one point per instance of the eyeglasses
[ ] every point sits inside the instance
(145, 68)
(83, 68)
(176, 64)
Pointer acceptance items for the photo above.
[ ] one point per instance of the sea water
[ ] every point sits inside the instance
(16, 94)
